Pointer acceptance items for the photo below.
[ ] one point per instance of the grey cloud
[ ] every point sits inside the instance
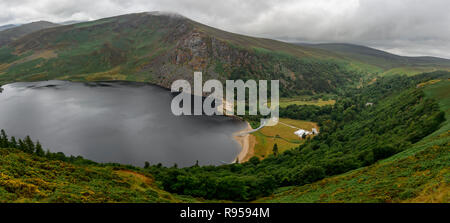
(407, 27)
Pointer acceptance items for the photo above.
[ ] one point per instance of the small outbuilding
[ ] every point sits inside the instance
(301, 132)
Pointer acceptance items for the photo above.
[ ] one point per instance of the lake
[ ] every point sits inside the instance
(121, 122)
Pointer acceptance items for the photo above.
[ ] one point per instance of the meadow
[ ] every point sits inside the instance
(284, 102)
(282, 134)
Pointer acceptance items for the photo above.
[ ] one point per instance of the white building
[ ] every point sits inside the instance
(301, 132)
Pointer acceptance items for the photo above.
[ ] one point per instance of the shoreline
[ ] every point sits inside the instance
(247, 143)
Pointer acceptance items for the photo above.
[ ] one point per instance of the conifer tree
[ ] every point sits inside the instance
(39, 151)
(3, 139)
(22, 145)
(29, 145)
(275, 149)
(13, 142)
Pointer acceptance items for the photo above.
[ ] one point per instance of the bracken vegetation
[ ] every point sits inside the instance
(28, 174)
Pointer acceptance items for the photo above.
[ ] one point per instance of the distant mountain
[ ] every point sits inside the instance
(380, 58)
(14, 33)
(9, 26)
(70, 22)
(161, 47)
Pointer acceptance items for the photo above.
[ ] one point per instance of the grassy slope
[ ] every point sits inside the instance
(106, 49)
(387, 63)
(29, 178)
(13, 33)
(284, 102)
(418, 174)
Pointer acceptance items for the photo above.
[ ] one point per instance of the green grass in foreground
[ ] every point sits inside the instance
(26, 178)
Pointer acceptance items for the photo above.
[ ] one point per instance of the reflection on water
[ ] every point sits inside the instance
(123, 122)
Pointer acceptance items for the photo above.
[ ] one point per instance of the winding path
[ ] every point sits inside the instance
(263, 123)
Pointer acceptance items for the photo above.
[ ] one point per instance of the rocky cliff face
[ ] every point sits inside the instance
(196, 50)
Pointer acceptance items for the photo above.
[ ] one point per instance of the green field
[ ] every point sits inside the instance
(282, 135)
(284, 102)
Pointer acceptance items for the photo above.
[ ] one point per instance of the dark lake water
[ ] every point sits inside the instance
(122, 122)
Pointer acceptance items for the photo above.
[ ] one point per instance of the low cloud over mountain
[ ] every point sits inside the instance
(406, 27)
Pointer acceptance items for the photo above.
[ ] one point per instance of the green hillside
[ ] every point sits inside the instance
(352, 136)
(393, 151)
(421, 173)
(12, 32)
(29, 178)
(160, 48)
(387, 63)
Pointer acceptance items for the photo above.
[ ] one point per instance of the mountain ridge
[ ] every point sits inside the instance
(378, 57)
(13, 33)
(160, 47)
(7, 26)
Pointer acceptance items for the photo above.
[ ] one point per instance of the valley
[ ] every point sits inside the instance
(382, 120)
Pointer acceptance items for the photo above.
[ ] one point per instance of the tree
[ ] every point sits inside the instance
(383, 151)
(275, 149)
(309, 174)
(39, 151)
(3, 139)
(13, 142)
(147, 165)
(22, 145)
(29, 145)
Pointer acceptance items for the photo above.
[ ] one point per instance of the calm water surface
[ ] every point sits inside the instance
(122, 122)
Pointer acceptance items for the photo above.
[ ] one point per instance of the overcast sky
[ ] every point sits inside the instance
(405, 27)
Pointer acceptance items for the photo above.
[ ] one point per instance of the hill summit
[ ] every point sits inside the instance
(160, 47)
